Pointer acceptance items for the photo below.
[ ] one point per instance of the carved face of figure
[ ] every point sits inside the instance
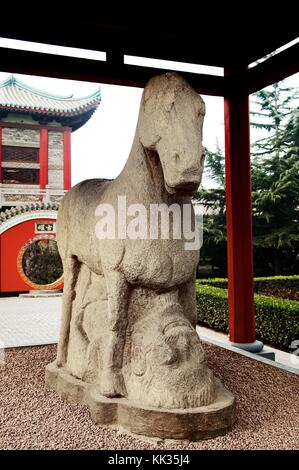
(170, 123)
(168, 369)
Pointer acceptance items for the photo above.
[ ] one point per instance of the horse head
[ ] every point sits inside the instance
(170, 124)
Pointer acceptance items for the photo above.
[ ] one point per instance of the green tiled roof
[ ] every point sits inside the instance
(16, 96)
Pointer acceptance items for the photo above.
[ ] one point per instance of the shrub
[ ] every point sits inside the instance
(286, 287)
(277, 320)
(220, 282)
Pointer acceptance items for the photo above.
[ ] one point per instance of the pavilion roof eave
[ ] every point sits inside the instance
(188, 38)
(274, 69)
(73, 68)
(16, 95)
(74, 121)
(115, 71)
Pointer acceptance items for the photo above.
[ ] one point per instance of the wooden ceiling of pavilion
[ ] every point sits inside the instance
(185, 38)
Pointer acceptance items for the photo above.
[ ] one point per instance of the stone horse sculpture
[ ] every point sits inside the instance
(129, 311)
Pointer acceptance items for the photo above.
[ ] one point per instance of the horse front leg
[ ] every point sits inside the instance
(71, 270)
(112, 382)
(187, 297)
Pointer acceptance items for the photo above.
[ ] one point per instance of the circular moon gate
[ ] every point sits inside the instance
(39, 263)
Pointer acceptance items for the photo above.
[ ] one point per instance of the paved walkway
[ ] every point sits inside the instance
(287, 360)
(29, 322)
(26, 321)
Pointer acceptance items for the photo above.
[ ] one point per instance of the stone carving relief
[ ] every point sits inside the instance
(128, 345)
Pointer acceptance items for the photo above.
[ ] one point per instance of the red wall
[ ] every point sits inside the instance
(11, 241)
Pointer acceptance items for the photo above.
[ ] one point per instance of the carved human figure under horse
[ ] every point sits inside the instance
(129, 308)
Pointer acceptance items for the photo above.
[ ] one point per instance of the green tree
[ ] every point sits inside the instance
(275, 176)
(213, 200)
(275, 186)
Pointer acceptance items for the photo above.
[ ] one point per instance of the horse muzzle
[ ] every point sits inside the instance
(185, 187)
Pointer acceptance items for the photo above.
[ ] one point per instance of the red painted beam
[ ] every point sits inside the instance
(18, 125)
(239, 219)
(43, 159)
(67, 159)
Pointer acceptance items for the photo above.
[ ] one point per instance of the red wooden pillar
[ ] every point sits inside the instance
(67, 158)
(43, 159)
(0, 154)
(239, 216)
(0, 197)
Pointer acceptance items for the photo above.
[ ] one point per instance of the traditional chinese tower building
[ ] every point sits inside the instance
(35, 173)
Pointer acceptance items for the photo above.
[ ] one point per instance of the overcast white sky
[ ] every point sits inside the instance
(101, 147)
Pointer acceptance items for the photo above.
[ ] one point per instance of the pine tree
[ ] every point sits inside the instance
(275, 185)
(213, 200)
(275, 175)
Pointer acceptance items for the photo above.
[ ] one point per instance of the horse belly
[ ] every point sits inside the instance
(159, 266)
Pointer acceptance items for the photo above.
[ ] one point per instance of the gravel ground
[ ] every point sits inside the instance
(33, 418)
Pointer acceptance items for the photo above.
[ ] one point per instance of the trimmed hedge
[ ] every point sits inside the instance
(277, 320)
(220, 282)
(286, 287)
(277, 286)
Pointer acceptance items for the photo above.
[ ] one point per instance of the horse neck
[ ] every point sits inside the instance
(143, 169)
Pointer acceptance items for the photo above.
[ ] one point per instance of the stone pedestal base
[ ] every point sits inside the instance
(193, 423)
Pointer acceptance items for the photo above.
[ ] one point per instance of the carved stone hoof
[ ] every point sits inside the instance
(194, 424)
(112, 385)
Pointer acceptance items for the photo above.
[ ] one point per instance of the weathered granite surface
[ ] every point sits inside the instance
(129, 307)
